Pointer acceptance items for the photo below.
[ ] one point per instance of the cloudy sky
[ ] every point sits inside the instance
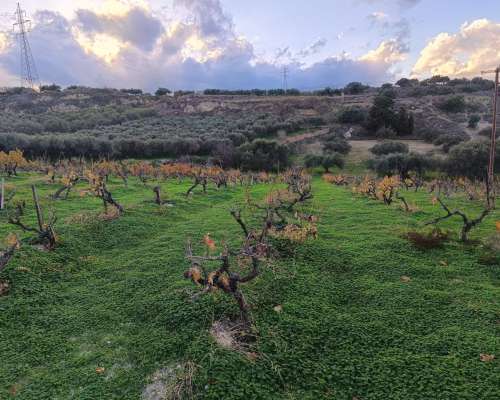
(197, 44)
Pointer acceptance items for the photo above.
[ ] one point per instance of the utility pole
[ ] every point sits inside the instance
(2, 198)
(490, 186)
(29, 74)
(285, 79)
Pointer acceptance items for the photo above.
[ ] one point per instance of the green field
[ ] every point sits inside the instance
(113, 296)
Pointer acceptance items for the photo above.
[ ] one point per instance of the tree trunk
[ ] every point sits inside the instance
(157, 192)
(39, 215)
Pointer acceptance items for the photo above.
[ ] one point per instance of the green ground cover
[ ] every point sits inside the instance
(112, 296)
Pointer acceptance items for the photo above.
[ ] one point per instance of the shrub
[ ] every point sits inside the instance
(473, 121)
(262, 155)
(50, 88)
(162, 92)
(430, 135)
(470, 159)
(490, 252)
(405, 82)
(450, 140)
(132, 91)
(333, 160)
(352, 115)
(313, 160)
(455, 104)
(390, 147)
(337, 144)
(326, 161)
(355, 88)
(402, 164)
(56, 125)
(487, 131)
(385, 133)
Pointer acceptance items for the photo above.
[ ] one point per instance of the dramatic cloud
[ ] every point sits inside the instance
(194, 45)
(396, 46)
(474, 48)
(208, 16)
(136, 27)
(389, 52)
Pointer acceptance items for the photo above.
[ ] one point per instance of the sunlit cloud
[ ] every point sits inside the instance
(474, 48)
(101, 45)
(4, 42)
(199, 50)
(388, 52)
(119, 8)
(122, 43)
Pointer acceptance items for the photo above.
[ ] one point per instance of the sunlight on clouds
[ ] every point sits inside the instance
(474, 48)
(199, 50)
(101, 45)
(120, 8)
(388, 52)
(4, 43)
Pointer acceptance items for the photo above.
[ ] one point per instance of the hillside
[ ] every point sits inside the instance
(111, 123)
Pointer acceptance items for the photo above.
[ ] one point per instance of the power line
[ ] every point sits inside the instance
(285, 79)
(491, 165)
(29, 75)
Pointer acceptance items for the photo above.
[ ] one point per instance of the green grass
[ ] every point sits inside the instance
(112, 295)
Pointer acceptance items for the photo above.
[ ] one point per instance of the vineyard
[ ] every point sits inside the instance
(126, 280)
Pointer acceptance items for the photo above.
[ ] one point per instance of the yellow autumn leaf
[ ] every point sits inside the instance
(12, 240)
(486, 357)
(209, 242)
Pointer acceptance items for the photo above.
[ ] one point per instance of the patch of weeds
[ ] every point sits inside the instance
(490, 251)
(234, 336)
(174, 382)
(426, 240)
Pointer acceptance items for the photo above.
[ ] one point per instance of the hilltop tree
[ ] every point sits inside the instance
(404, 123)
(355, 88)
(381, 113)
(50, 88)
(162, 92)
(405, 82)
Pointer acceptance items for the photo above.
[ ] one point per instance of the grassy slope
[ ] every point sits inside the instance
(113, 296)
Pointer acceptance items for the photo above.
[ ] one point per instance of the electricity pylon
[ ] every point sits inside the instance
(29, 74)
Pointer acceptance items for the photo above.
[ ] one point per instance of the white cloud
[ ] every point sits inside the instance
(122, 43)
(137, 26)
(313, 48)
(388, 52)
(377, 17)
(474, 48)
